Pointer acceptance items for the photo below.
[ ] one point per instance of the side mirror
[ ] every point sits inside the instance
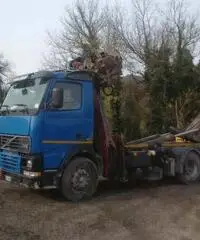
(57, 97)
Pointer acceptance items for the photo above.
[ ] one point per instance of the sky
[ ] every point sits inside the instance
(24, 25)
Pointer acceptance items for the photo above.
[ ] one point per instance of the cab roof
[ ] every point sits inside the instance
(61, 74)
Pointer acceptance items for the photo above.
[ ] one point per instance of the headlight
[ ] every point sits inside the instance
(32, 162)
(29, 164)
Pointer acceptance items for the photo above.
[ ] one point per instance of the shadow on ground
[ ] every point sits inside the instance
(111, 189)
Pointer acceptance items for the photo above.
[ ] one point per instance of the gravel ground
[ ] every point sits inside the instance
(157, 211)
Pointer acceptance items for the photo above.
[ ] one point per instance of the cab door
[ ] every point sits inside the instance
(66, 128)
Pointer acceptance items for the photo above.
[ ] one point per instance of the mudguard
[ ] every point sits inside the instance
(82, 150)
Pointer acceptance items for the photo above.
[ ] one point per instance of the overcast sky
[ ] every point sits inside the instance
(23, 25)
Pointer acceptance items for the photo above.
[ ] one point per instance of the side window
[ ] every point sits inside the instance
(72, 95)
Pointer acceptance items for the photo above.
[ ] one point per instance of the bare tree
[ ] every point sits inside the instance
(136, 29)
(4, 66)
(5, 70)
(184, 29)
(182, 25)
(81, 33)
(161, 43)
(146, 27)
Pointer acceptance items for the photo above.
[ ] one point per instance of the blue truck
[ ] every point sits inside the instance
(53, 134)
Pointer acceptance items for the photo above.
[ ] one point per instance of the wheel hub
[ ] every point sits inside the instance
(191, 168)
(80, 179)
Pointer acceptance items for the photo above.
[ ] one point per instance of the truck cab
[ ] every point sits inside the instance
(47, 132)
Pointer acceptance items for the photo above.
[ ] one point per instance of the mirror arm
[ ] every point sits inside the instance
(47, 105)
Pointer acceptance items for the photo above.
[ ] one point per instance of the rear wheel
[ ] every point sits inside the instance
(79, 180)
(191, 169)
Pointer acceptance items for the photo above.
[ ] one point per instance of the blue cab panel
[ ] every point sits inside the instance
(15, 125)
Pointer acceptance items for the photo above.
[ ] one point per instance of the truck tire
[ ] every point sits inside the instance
(79, 180)
(190, 169)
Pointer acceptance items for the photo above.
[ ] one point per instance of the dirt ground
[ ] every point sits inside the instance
(157, 211)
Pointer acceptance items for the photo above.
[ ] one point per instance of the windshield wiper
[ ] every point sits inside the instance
(7, 108)
(22, 105)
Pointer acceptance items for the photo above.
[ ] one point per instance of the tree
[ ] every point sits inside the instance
(134, 108)
(4, 70)
(81, 33)
(185, 32)
(136, 30)
(162, 42)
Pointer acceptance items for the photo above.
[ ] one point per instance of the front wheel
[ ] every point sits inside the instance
(79, 180)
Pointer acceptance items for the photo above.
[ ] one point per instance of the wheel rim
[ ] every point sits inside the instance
(80, 180)
(191, 169)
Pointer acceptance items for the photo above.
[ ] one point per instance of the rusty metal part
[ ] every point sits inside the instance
(166, 144)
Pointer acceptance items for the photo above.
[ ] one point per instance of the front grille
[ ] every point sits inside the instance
(10, 162)
(15, 143)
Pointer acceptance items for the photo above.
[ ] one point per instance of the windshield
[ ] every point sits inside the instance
(25, 94)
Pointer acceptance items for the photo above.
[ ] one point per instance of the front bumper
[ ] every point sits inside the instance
(45, 180)
(26, 169)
